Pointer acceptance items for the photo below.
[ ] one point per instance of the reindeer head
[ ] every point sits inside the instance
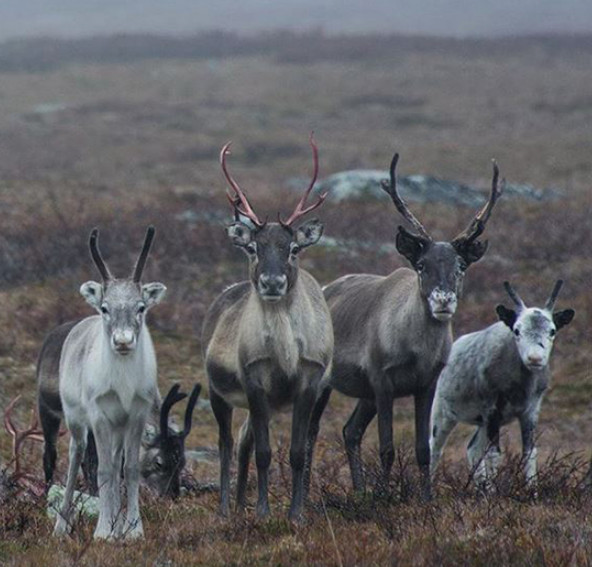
(441, 266)
(164, 457)
(273, 248)
(534, 328)
(122, 303)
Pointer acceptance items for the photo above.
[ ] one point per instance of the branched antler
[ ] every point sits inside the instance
(27, 480)
(301, 209)
(391, 189)
(241, 198)
(477, 225)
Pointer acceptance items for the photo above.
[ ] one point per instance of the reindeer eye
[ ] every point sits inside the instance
(104, 310)
(294, 249)
(251, 248)
(553, 332)
(419, 266)
(517, 332)
(141, 309)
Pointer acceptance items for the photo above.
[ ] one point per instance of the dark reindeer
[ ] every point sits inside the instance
(268, 344)
(393, 333)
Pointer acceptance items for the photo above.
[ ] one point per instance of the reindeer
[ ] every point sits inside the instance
(393, 333)
(268, 343)
(494, 376)
(107, 384)
(162, 452)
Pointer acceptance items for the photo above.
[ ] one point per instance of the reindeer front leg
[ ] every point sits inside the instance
(109, 443)
(133, 524)
(259, 415)
(76, 453)
(528, 424)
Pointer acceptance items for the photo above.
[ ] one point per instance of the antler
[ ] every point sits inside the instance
(477, 225)
(32, 432)
(553, 297)
(240, 199)
(515, 297)
(141, 262)
(391, 189)
(189, 410)
(171, 399)
(96, 255)
(300, 209)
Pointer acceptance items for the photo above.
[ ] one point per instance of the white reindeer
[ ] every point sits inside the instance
(107, 383)
(494, 376)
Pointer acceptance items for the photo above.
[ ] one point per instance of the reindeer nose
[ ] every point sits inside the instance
(273, 284)
(535, 359)
(123, 340)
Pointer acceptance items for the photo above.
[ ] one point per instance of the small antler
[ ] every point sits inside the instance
(189, 410)
(141, 262)
(514, 296)
(391, 189)
(18, 437)
(477, 225)
(553, 297)
(240, 199)
(301, 209)
(171, 399)
(96, 255)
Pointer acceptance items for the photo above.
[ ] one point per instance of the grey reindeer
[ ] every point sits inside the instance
(107, 385)
(494, 376)
(393, 333)
(268, 344)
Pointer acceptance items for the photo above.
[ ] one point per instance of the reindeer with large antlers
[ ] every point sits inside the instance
(393, 333)
(107, 385)
(268, 344)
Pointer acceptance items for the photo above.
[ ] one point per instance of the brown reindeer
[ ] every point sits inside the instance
(268, 344)
(393, 333)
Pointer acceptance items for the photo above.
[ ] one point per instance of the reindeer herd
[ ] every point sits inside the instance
(281, 341)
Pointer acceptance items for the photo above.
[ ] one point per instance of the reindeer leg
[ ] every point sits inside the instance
(77, 446)
(223, 414)
(423, 408)
(245, 449)
(442, 425)
(133, 437)
(313, 431)
(90, 464)
(259, 415)
(384, 406)
(353, 432)
(51, 429)
(528, 423)
(301, 416)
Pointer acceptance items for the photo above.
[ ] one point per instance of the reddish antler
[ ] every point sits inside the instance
(241, 199)
(18, 437)
(300, 209)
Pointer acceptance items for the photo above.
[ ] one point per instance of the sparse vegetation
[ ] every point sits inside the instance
(125, 141)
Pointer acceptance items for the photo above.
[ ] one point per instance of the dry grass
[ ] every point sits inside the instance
(137, 143)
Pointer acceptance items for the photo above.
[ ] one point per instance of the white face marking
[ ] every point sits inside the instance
(442, 304)
(534, 333)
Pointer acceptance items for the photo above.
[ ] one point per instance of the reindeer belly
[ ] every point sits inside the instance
(226, 384)
(351, 380)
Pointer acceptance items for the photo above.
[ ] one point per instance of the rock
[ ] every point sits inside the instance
(364, 184)
(84, 504)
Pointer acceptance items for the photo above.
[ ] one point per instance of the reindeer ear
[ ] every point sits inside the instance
(309, 233)
(410, 245)
(153, 293)
(471, 252)
(240, 234)
(93, 293)
(563, 318)
(508, 316)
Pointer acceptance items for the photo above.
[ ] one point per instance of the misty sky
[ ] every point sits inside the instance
(76, 18)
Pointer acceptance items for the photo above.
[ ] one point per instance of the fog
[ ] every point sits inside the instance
(459, 18)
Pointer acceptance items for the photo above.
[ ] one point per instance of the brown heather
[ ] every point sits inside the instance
(136, 142)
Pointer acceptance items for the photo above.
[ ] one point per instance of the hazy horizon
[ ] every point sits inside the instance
(454, 18)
